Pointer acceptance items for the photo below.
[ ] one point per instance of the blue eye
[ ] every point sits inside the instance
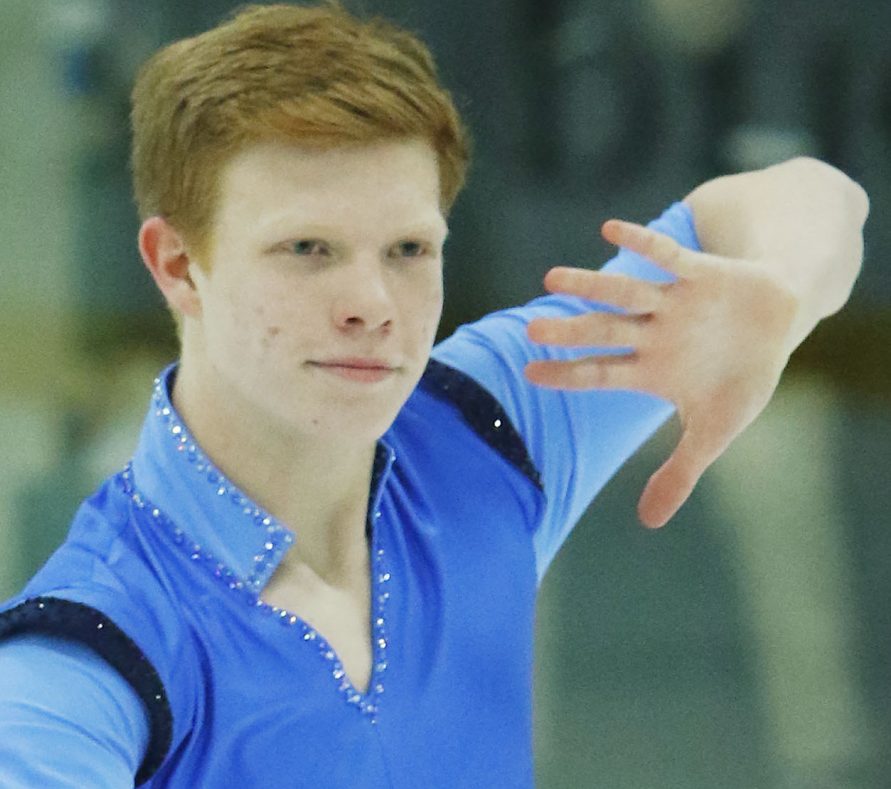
(309, 246)
(410, 249)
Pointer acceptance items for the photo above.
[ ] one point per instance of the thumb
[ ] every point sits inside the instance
(670, 486)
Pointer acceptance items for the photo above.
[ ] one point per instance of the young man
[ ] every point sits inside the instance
(320, 567)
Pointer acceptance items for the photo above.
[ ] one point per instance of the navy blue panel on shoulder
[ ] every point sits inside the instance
(78, 622)
(483, 413)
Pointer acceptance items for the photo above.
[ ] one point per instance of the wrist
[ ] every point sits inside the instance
(803, 219)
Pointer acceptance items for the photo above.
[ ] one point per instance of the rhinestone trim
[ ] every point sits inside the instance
(367, 703)
(278, 537)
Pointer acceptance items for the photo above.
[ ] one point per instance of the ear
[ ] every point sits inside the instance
(167, 259)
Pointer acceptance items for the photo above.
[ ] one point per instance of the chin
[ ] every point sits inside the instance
(358, 436)
(351, 422)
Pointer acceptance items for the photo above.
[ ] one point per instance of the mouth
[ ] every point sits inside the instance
(359, 369)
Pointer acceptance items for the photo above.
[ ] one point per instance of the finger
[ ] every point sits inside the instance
(627, 293)
(591, 372)
(590, 329)
(661, 249)
(668, 489)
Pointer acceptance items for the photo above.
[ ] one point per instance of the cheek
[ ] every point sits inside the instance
(270, 315)
(428, 303)
(245, 322)
(269, 337)
(434, 310)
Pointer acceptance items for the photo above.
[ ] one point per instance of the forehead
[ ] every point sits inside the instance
(367, 186)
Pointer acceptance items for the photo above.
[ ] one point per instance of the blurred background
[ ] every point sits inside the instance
(748, 645)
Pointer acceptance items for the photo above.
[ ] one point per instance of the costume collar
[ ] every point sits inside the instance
(171, 471)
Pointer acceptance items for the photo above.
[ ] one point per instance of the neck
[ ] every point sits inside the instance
(316, 485)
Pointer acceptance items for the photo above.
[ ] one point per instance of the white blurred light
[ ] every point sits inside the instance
(697, 27)
(78, 20)
(752, 147)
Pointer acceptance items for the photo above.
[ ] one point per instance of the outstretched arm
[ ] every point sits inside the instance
(781, 250)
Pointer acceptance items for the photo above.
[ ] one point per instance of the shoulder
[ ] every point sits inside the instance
(100, 590)
(143, 667)
(64, 710)
(481, 412)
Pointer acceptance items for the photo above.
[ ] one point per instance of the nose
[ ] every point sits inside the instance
(363, 301)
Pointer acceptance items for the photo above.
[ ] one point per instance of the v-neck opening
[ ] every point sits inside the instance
(366, 700)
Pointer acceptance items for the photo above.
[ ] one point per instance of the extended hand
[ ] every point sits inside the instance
(714, 343)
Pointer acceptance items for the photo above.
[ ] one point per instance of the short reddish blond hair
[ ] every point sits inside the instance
(314, 76)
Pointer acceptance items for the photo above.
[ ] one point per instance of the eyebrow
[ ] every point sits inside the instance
(290, 225)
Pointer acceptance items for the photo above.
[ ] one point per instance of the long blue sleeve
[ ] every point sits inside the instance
(577, 440)
(68, 720)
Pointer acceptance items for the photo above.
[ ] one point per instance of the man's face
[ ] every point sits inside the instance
(323, 292)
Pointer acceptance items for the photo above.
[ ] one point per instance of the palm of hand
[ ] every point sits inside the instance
(714, 342)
